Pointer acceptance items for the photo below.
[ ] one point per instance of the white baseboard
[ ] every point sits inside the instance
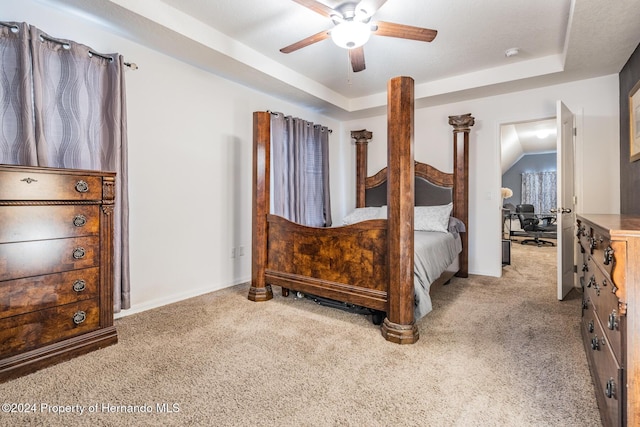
(159, 302)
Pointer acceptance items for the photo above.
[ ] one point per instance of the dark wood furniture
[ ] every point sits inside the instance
(610, 247)
(369, 264)
(56, 267)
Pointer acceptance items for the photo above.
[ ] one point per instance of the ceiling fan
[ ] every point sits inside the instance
(353, 27)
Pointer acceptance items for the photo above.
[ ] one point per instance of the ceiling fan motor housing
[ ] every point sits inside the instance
(349, 12)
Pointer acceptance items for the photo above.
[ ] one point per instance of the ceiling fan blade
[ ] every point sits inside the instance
(356, 56)
(369, 7)
(389, 29)
(306, 42)
(317, 7)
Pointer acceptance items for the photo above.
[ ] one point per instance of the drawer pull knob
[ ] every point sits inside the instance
(591, 282)
(612, 323)
(610, 388)
(592, 243)
(79, 253)
(595, 343)
(79, 317)
(29, 180)
(79, 285)
(585, 267)
(590, 327)
(82, 186)
(608, 255)
(79, 220)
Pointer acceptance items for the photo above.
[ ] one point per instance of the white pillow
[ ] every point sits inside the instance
(362, 214)
(432, 218)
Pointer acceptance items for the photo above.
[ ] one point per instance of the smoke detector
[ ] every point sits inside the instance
(511, 52)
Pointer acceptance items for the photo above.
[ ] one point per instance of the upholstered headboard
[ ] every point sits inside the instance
(431, 187)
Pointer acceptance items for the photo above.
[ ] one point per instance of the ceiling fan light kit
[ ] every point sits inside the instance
(350, 34)
(353, 28)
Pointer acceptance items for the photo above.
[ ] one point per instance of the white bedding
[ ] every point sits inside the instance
(433, 253)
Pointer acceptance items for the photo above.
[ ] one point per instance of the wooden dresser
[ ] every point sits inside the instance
(610, 278)
(56, 266)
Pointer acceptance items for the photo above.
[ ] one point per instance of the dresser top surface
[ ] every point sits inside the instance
(622, 225)
(39, 169)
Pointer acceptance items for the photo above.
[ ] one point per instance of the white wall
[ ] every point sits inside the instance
(190, 163)
(189, 129)
(595, 103)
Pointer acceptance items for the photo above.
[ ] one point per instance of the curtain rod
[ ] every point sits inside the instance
(14, 28)
(275, 113)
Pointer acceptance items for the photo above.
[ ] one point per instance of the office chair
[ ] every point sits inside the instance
(531, 225)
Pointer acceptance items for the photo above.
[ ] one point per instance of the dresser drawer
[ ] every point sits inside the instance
(40, 292)
(24, 185)
(20, 223)
(25, 259)
(605, 302)
(32, 330)
(584, 234)
(603, 252)
(607, 374)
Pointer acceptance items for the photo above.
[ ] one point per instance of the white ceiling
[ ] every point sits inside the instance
(559, 41)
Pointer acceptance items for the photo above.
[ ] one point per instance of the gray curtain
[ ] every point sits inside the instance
(17, 133)
(78, 117)
(540, 190)
(300, 171)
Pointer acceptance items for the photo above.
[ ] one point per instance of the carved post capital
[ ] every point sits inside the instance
(108, 189)
(361, 136)
(462, 123)
(107, 209)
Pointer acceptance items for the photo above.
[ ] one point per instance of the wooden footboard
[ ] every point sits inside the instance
(347, 263)
(370, 263)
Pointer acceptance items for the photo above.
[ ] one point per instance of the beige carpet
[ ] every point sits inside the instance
(494, 352)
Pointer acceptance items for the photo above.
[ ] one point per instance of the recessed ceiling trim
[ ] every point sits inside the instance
(177, 21)
(196, 31)
(492, 76)
(186, 37)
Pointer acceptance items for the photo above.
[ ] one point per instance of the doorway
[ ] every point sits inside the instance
(528, 156)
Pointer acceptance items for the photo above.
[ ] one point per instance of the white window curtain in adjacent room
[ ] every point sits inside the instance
(540, 190)
(300, 171)
(63, 105)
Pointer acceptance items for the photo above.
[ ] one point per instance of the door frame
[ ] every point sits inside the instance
(499, 177)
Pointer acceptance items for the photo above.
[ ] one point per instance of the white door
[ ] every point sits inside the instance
(566, 199)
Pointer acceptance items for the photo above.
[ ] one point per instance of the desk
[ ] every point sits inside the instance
(506, 237)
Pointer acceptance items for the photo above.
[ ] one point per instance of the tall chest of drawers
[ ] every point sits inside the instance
(56, 266)
(610, 278)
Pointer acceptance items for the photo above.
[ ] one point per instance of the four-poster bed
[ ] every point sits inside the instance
(370, 263)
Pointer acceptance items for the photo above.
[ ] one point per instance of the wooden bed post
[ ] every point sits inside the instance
(399, 326)
(362, 138)
(260, 290)
(461, 128)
